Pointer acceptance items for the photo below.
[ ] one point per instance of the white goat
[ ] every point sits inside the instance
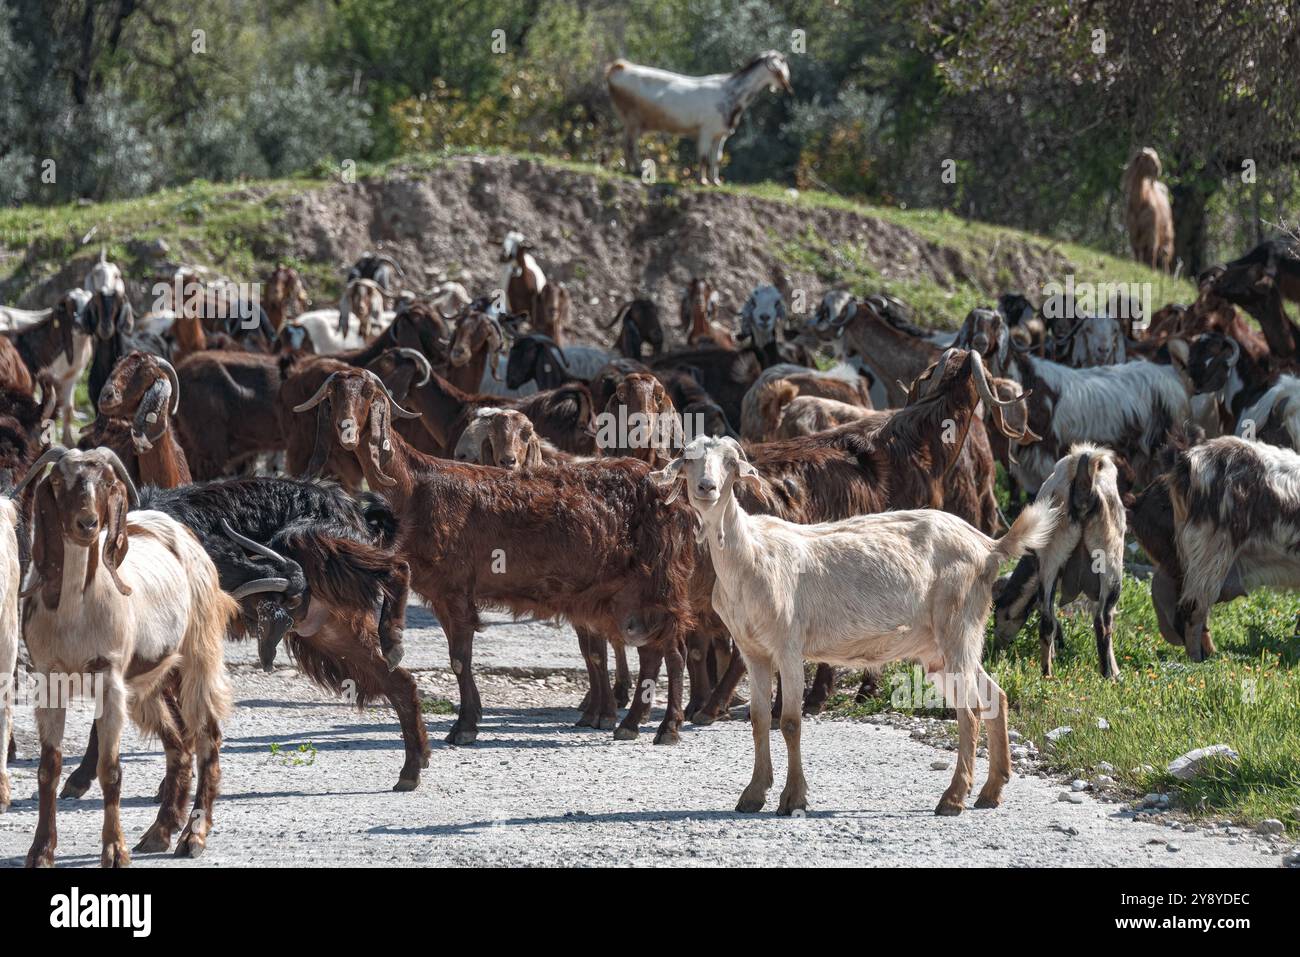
(762, 316)
(13, 319)
(1275, 416)
(131, 607)
(320, 328)
(860, 592)
(1084, 557)
(9, 585)
(705, 107)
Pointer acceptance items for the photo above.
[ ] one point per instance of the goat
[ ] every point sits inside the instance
(1084, 556)
(285, 295)
(762, 319)
(759, 413)
(476, 344)
(135, 421)
(865, 590)
(640, 324)
(553, 311)
(317, 331)
(304, 455)
(808, 414)
(1259, 281)
(894, 349)
(109, 316)
(725, 374)
(226, 416)
(134, 602)
(639, 421)
(1129, 407)
(705, 107)
(536, 358)
(1234, 517)
(379, 268)
(590, 542)
(58, 345)
(1147, 212)
(522, 280)
(14, 374)
(362, 298)
(921, 456)
(10, 583)
(698, 310)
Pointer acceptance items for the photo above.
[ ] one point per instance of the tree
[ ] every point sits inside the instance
(1209, 83)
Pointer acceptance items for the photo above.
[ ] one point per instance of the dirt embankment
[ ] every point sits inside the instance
(607, 238)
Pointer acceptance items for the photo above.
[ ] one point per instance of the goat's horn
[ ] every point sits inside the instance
(419, 359)
(52, 454)
(170, 372)
(120, 470)
(982, 383)
(316, 399)
(253, 546)
(446, 318)
(259, 586)
(392, 403)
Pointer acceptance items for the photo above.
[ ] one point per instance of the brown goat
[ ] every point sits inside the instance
(1147, 212)
(699, 308)
(305, 454)
(14, 374)
(594, 543)
(476, 344)
(554, 307)
(136, 407)
(285, 295)
(639, 421)
(227, 410)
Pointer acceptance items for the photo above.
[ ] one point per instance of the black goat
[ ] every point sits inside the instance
(314, 566)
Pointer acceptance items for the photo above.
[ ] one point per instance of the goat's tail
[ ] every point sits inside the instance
(1032, 529)
(205, 695)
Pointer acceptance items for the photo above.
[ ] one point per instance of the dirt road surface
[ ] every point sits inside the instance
(536, 791)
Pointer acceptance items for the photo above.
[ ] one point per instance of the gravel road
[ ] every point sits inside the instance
(536, 791)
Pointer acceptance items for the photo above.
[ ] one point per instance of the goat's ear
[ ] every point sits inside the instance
(115, 538)
(533, 454)
(47, 546)
(321, 449)
(669, 476)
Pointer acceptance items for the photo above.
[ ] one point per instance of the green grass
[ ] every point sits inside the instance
(1163, 705)
(437, 706)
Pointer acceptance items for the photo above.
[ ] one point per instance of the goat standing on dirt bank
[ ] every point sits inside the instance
(864, 591)
(705, 107)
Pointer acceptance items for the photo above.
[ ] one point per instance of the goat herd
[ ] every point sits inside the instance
(842, 516)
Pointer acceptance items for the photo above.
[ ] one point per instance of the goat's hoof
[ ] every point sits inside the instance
(115, 856)
(406, 784)
(792, 807)
(40, 858)
(605, 723)
(394, 656)
(624, 733)
(987, 801)
(749, 805)
(155, 841)
(703, 717)
(949, 808)
(190, 845)
(73, 789)
(462, 735)
(667, 736)
(586, 721)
